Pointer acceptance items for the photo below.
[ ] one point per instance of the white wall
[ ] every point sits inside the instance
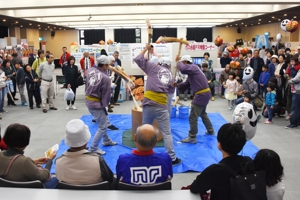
(144, 35)
(109, 34)
(181, 33)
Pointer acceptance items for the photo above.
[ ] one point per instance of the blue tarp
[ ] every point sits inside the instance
(195, 157)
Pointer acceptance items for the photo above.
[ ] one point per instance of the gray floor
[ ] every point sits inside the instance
(49, 129)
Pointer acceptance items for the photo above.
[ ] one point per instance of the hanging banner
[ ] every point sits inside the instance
(135, 51)
(261, 40)
(89, 48)
(201, 46)
(163, 50)
(111, 49)
(124, 52)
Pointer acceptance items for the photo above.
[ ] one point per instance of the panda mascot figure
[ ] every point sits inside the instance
(244, 113)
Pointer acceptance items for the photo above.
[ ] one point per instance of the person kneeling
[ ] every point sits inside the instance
(131, 166)
(77, 165)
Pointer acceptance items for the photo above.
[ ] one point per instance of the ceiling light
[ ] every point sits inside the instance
(252, 24)
(39, 28)
(4, 20)
(21, 26)
(285, 15)
(48, 26)
(64, 29)
(295, 17)
(273, 17)
(246, 25)
(236, 24)
(259, 19)
(231, 25)
(59, 28)
(30, 24)
(269, 21)
(54, 27)
(227, 26)
(17, 22)
(258, 23)
(242, 23)
(39, 25)
(45, 29)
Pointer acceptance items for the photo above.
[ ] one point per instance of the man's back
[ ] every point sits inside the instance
(144, 168)
(217, 178)
(79, 167)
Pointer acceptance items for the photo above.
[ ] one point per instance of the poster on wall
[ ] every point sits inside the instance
(135, 51)
(111, 49)
(163, 50)
(201, 46)
(261, 40)
(124, 52)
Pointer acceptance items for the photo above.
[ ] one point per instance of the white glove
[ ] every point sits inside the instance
(113, 86)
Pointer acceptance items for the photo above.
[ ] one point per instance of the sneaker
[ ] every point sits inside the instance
(93, 121)
(291, 126)
(3, 111)
(110, 110)
(207, 133)
(112, 127)
(25, 104)
(229, 107)
(99, 151)
(223, 97)
(68, 107)
(176, 161)
(258, 118)
(110, 143)
(185, 99)
(268, 122)
(20, 104)
(38, 106)
(287, 118)
(189, 140)
(73, 107)
(31, 107)
(212, 98)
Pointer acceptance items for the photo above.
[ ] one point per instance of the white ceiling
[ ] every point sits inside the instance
(132, 13)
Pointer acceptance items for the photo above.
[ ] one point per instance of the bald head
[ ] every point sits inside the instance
(146, 136)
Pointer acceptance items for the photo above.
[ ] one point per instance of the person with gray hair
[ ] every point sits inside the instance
(138, 168)
(117, 79)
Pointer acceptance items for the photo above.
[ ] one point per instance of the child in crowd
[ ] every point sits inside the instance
(231, 86)
(242, 62)
(263, 80)
(249, 56)
(247, 97)
(279, 97)
(269, 161)
(223, 78)
(269, 57)
(291, 72)
(270, 102)
(272, 66)
(209, 78)
(239, 93)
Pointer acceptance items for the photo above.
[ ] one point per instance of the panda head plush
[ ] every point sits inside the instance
(248, 73)
(245, 115)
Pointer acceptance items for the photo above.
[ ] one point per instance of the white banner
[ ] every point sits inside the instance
(201, 46)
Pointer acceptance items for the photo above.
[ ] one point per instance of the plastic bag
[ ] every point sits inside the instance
(69, 94)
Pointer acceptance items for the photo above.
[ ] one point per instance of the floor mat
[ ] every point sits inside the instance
(127, 140)
(195, 157)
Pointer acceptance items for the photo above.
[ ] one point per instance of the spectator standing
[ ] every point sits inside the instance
(273, 65)
(20, 78)
(46, 73)
(86, 62)
(256, 63)
(242, 62)
(40, 60)
(128, 165)
(225, 60)
(72, 72)
(10, 73)
(33, 88)
(223, 78)
(32, 58)
(270, 102)
(263, 80)
(117, 79)
(64, 59)
(208, 75)
(3, 79)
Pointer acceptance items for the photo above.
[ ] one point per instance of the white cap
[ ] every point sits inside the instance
(274, 56)
(111, 58)
(103, 59)
(154, 59)
(165, 61)
(298, 48)
(186, 58)
(77, 133)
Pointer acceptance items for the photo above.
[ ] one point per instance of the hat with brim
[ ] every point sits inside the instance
(275, 56)
(77, 133)
(186, 58)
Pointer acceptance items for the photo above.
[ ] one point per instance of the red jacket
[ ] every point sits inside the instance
(3, 146)
(83, 65)
(61, 58)
(288, 69)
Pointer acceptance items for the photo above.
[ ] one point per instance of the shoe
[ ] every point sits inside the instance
(185, 99)
(116, 104)
(268, 122)
(20, 104)
(73, 107)
(110, 105)
(258, 118)
(14, 104)
(3, 111)
(291, 126)
(176, 161)
(207, 133)
(110, 110)
(45, 111)
(93, 121)
(112, 127)
(189, 140)
(223, 97)
(68, 107)
(0, 117)
(38, 106)
(287, 118)
(212, 98)
(53, 108)
(110, 143)
(25, 104)
(99, 151)
(232, 107)
(229, 107)
(31, 107)
(16, 99)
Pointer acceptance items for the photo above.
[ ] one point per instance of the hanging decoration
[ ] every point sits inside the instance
(244, 51)
(230, 48)
(292, 26)
(109, 42)
(218, 41)
(101, 42)
(283, 24)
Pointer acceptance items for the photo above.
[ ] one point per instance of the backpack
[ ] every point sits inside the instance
(249, 186)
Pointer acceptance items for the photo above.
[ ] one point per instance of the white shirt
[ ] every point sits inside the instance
(87, 63)
(276, 192)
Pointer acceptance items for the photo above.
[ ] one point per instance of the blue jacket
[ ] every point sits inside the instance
(271, 69)
(271, 98)
(225, 61)
(264, 78)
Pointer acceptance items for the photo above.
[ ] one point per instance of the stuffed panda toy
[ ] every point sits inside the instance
(245, 115)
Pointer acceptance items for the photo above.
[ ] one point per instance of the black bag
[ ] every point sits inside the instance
(79, 81)
(251, 186)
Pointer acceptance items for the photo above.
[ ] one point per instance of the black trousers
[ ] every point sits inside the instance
(117, 90)
(74, 90)
(37, 96)
(222, 90)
